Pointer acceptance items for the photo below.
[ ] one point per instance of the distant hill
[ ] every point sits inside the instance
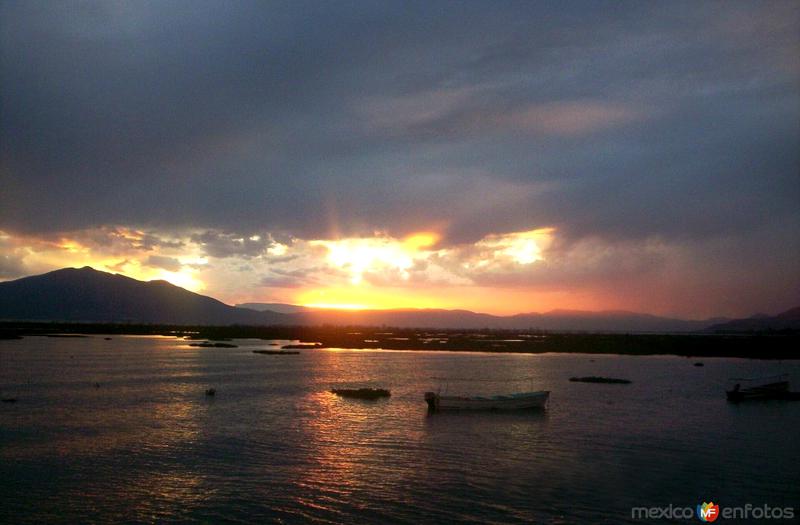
(614, 320)
(281, 308)
(88, 295)
(788, 320)
(551, 321)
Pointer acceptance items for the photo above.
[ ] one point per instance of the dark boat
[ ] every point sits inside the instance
(302, 346)
(775, 387)
(362, 393)
(518, 401)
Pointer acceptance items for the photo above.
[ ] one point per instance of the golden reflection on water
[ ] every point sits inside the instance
(330, 473)
(340, 435)
(335, 463)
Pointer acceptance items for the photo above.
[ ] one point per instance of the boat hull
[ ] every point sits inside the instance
(776, 390)
(522, 401)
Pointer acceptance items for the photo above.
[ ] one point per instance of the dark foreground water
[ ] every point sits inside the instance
(274, 446)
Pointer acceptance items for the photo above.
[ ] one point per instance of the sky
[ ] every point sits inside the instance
(496, 156)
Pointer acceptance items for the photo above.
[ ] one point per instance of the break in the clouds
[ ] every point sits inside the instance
(659, 141)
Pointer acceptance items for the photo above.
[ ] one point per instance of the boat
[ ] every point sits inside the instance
(774, 387)
(522, 400)
(362, 393)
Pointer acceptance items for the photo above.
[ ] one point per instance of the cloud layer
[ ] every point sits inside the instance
(654, 138)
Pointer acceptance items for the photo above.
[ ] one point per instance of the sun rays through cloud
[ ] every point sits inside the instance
(377, 254)
(375, 271)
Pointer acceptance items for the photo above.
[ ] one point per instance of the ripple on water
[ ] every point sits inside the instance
(275, 445)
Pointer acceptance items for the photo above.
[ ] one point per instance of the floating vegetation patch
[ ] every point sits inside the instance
(598, 379)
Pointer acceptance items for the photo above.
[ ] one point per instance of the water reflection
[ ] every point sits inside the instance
(274, 444)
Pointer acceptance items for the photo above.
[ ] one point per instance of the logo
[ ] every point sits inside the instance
(708, 511)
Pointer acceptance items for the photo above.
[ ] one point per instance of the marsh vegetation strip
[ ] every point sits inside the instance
(769, 345)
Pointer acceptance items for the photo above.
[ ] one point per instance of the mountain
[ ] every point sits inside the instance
(405, 318)
(280, 308)
(557, 320)
(788, 320)
(88, 295)
(614, 320)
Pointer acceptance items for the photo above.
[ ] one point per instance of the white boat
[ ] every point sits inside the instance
(518, 401)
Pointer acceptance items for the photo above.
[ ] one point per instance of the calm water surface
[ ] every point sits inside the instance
(275, 446)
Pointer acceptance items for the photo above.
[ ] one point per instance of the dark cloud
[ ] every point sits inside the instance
(277, 281)
(149, 241)
(170, 264)
(114, 240)
(276, 259)
(222, 244)
(280, 278)
(621, 121)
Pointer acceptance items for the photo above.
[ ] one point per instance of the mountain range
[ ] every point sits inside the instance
(88, 295)
(281, 308)
(788, 320)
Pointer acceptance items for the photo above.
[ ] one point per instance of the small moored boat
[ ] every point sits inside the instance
(362, 393)
(522, 400)
(775, 387)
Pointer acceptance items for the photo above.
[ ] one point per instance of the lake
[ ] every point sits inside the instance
(273, 445)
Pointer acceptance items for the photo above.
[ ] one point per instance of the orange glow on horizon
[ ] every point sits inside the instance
(496, 301)
(365, 298)
(336, 306)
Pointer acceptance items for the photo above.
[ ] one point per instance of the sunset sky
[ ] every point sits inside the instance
(502, 157)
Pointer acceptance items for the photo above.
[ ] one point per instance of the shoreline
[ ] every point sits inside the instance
(767, 345)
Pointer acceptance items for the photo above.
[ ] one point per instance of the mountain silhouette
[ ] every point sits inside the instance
(281, 308)
(465, 319)
(788, 320)
(88, 295)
